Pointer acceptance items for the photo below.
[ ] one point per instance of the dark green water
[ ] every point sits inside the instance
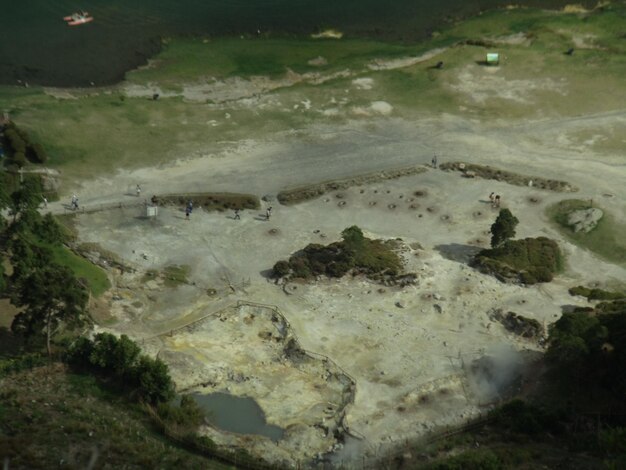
(38, 47)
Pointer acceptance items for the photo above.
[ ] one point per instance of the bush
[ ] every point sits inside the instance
(281, 269)
(120, 359)
(16, 143)
(153, 380)
(49, 230)
(530, 260)
(19, 159)
(371, 257)
(596, 294)
(37, 154)
(300, 267)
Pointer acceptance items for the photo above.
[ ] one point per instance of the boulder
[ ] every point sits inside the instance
(584, 220)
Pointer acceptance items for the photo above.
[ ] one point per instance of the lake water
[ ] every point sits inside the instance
(37, 46)
(242, 415)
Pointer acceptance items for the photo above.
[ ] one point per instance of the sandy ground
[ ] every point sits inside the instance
(410, 363)
(409, 350)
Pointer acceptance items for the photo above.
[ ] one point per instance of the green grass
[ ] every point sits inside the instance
(95, 278)
(49, 415)
(190, 59)
(606, 240)
(175, 275)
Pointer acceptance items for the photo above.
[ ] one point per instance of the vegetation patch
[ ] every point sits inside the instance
(20, 147)
(120, 364)
(605, 240)
(527, 261)
(596, 294)
(355, 253)
(44, 409)
(488, 172)
(311, 191)
(212, 201)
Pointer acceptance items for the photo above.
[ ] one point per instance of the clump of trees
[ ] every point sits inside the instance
(50, 296)
(354, 252)
(589, 349)
(119, 360)
(529, 261)
(21, 148)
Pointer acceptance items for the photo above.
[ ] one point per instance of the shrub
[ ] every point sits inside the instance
(371, 257)
(37, 154)
(49, 231)
(16, 143)
(596, 294)
(530, 260)
(300, 267)
(19, 159)
(281, 269)
(120, 359)
(153, 380)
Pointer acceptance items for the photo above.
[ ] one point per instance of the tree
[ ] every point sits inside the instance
(503, 228)
(353, 237)
(26, 199)
(51, 295)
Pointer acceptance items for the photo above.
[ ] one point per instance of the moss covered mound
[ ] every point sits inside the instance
(356, 253)
(527, 261)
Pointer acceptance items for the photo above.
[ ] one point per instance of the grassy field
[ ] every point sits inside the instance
(99, 131)
(50, 415)
(606, 240)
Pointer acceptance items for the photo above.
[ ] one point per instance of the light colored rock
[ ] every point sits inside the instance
(584, 220)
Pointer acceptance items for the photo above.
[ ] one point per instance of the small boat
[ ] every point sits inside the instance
(78, 18)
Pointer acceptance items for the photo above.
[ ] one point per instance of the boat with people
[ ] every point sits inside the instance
(78, 18)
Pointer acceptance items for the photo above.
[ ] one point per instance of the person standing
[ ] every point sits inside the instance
(434, 161)
(237, 214)
(45, 202)
(138, 190)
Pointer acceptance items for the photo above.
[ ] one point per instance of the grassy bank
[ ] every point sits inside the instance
(606, 240)
(50, 415)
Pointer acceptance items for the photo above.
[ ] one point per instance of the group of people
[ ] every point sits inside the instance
(495, 200)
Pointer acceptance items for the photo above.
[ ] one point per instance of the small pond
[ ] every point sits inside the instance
(242, 415)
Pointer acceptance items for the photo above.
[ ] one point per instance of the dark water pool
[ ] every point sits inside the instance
(242, 415)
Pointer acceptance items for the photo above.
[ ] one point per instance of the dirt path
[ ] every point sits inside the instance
(325, 152)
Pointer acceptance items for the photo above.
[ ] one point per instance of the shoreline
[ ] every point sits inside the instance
(123, 58)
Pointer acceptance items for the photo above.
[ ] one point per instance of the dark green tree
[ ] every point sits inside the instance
(503, 228)
(26, 199)
(353, 237)
(51, 296)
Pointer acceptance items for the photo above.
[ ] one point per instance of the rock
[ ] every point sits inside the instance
(400, 304)
(152, 285)
(518, 324)
(437, 308)
(584, 220)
